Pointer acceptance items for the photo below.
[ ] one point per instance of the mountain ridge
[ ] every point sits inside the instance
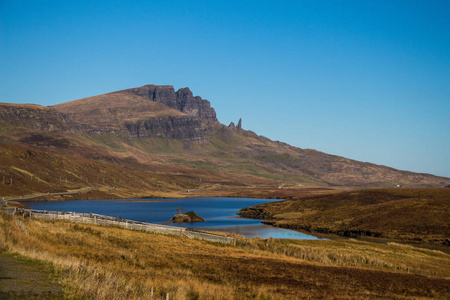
(136, 129)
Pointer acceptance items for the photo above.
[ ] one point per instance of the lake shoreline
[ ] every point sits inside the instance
(219, 213)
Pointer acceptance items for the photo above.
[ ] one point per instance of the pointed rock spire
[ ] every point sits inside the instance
(239, 125)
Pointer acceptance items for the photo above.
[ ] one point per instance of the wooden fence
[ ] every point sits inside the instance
(90, 218)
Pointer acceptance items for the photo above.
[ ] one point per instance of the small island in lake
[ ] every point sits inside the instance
(189, 217)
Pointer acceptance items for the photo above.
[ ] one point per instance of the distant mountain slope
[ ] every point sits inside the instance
(155, 129)
(128, 115)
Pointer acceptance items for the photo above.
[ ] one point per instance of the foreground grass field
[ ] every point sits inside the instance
(113, 263)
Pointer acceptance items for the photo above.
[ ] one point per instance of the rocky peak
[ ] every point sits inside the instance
(234, 126)
(182, 100)
(160, 93)
(195, 106)
(239, 125)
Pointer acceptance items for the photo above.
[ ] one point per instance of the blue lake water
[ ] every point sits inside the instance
(219, 213)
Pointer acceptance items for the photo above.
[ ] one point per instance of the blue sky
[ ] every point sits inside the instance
(367, 80)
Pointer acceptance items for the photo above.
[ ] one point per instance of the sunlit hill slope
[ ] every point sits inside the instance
(172, 141)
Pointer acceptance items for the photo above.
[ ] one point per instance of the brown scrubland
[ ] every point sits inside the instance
(410, 215)
(113, 263)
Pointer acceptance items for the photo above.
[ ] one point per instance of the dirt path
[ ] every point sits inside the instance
(21, 198)
(23, 279)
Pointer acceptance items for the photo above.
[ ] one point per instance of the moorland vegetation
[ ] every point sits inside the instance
(114, 263)
(409, 215)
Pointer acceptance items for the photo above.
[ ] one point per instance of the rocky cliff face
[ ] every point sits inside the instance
(182, 100)
(36, 117)
(46, 119)
(184, 128)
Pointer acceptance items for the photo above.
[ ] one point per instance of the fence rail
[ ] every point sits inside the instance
(91, 218)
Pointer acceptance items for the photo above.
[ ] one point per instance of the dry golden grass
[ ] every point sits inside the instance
(113, 263)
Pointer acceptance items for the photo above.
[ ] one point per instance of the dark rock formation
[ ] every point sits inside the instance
(47, 119)
(185, 128)
(160, 93)
(232, 125)
(182, 100)
(239, 125)
(195, 106)
(36, 117)
(189, 217)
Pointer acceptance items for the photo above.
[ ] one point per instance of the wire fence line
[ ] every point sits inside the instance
(96, 219)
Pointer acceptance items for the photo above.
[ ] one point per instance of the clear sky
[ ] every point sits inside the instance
(367, 80)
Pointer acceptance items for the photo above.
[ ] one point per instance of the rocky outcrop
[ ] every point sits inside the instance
(234, 126)
(189, 217)
(35, 117)
(195, 106)
(47, 119)
(184, 128)
(182, 100)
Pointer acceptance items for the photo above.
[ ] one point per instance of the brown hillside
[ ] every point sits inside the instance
(136, 129)
(413, 215)
(114, 109)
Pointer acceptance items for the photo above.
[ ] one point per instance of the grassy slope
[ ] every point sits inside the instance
(114, 109)
(107, 263)
(33, 172)
(407, 214)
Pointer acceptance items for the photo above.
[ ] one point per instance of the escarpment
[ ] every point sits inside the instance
(35, 117)
(184, 128)
(150, 111)
(182, 100)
